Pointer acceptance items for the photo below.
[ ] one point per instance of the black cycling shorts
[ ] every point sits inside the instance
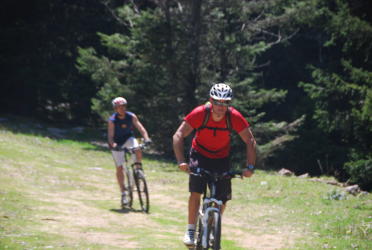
(198, 184)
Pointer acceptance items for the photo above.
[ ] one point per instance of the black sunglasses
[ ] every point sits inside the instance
(121, 105)
(221, 103)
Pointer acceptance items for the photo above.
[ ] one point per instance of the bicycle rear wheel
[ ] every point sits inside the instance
(143, 193)
(129, 186)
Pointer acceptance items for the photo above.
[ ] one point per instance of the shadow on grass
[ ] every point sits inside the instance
(94, 137)
(126, 210)
(54, 131)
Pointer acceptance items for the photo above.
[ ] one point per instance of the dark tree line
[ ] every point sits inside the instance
(301, 70)
(39, 43)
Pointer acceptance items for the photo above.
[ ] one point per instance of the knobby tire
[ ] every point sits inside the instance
(129, 187)
(209, 230)
(216, 231)
(200, 235)
(142, 190)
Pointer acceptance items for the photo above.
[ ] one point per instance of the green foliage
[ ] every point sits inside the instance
(336, 83)
(164, 61)
(285, 59)
(360, 171)
(41, 50)
(341, 101)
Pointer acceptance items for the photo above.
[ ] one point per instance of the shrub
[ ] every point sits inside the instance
(360, 172)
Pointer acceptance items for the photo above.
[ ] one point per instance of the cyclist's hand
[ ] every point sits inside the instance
(247, 173)
(148, 141)
(113, 145)
(184, 167)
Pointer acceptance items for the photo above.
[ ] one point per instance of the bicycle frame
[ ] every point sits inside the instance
(135, 178)
(211, 205)
(129, 152)
(128, 168)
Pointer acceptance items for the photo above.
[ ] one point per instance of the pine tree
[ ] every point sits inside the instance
(336, 138)
(172, 53)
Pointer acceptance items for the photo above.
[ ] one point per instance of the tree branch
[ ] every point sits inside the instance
(116, 17)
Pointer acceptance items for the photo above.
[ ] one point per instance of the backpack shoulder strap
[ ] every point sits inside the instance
(206, 115)
(228, 119)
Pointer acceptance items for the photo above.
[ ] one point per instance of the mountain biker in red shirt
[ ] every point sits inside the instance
(211, 148)
(120, 128)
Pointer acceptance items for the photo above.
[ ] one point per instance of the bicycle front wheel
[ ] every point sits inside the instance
(143, 193)
(215, 233)
(199, 237)
(211, 235)
(129, 186)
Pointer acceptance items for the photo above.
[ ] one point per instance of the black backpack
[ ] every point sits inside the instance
(206, 118)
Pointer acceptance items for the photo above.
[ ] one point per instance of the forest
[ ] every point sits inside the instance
(300, 70)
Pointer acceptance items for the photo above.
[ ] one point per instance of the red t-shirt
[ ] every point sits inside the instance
(220, 141)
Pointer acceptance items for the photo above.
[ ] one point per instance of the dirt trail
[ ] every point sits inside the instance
(83, 216)
(78, 220)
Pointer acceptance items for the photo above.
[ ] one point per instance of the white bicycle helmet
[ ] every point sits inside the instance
(119, 101)
(221, 91)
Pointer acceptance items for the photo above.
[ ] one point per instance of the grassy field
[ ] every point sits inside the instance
(58, 191)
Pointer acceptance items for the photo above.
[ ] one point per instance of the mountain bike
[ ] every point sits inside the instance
(135, 178)
(209, 217)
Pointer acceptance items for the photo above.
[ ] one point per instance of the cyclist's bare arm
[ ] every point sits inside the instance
(248, 138)
(140, 128)
(110, 134)
(178, 144)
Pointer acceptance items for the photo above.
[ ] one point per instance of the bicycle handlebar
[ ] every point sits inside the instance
(130, 149)
(205, 173)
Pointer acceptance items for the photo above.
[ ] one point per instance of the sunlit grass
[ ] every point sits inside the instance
(52, 186)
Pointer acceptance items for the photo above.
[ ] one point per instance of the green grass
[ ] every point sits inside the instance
(61, 193)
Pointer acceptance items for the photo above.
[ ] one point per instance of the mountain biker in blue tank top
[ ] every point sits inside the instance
(210, 148)
(120, 128)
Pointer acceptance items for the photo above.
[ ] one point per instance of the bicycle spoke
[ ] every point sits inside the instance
(129, 186)
(142, 190)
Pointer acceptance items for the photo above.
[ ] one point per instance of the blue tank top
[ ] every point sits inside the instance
(123, 127)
